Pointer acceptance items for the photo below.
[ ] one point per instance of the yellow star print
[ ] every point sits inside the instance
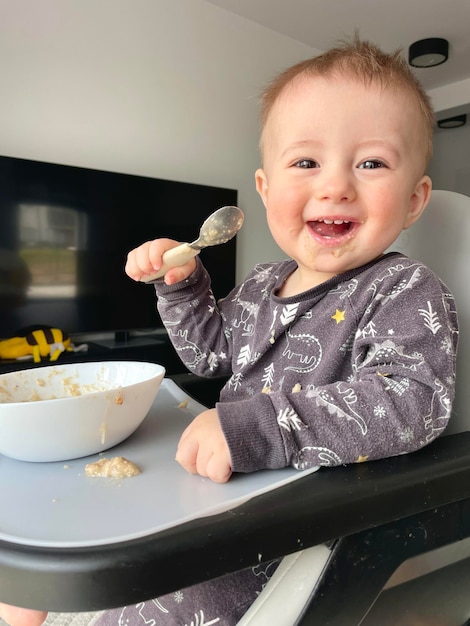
(338, 316)
(362, 459)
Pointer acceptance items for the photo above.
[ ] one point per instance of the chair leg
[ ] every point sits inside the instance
(361, 564)
(286, 593)
(353, 579)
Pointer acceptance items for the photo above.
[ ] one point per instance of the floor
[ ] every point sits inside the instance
(440, 598)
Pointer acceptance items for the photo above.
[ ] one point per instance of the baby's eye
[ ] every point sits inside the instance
(306, 164)
(371, 164)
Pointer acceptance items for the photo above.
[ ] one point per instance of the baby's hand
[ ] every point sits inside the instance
(203, 449)
(147, 259)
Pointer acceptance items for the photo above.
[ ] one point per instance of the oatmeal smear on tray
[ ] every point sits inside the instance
(116, 467)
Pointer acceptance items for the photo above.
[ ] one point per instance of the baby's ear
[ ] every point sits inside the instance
(419, 200)
(261, 184)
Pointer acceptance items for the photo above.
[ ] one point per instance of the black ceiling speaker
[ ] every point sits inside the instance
(428, 52)
(453, 122)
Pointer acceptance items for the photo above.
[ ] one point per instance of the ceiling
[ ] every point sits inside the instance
(391, 24)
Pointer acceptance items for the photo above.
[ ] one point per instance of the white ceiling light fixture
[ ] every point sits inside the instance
(428, 52)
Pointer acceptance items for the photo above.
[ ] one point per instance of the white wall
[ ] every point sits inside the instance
(450, 165)
(163, 88)
(450, 96)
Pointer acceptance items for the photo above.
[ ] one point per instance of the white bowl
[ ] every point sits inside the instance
(63, 412)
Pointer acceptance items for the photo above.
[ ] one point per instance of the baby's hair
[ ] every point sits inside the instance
(364, 61)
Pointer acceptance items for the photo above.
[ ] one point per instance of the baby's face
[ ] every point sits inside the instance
(343, 173)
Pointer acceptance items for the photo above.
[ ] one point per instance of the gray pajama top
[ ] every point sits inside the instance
(360, 367)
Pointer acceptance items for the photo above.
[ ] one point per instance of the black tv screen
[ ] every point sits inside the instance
(64, 237)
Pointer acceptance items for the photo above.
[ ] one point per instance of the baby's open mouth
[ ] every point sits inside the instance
(331, 229)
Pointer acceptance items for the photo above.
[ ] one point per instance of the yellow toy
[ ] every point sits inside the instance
(43, 342)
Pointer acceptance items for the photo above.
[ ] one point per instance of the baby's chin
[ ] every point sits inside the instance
(330, 262)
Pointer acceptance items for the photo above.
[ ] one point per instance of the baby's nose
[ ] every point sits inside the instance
(336, 186)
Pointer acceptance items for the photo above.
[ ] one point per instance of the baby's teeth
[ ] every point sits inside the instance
(328, 221)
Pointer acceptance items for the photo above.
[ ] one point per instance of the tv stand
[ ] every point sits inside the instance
(154, 347)
(122, 336)
(123, 339)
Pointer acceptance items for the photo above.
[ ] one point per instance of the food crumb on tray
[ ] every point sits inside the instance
(116, 467)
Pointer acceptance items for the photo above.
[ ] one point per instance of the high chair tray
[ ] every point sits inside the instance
(56, 505)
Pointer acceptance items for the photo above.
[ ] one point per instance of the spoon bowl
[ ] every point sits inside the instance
(219, 227)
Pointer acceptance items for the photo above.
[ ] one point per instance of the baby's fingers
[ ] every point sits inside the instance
(186, 454)
(147, 258)
(218, 470)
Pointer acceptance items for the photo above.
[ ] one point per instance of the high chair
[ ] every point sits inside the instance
(337, 584)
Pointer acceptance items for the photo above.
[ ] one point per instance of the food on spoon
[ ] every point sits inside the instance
(116, 467)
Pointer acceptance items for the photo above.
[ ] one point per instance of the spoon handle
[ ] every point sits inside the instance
(173, 258)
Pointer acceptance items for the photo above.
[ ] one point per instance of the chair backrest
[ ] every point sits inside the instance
(441, 240)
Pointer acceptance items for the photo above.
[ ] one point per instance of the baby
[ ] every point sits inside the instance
(342, 353)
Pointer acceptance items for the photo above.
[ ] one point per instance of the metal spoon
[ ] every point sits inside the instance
(218, 228)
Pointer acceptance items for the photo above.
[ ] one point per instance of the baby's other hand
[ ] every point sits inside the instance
(203, 449)
(21, 617)
(147, 259)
